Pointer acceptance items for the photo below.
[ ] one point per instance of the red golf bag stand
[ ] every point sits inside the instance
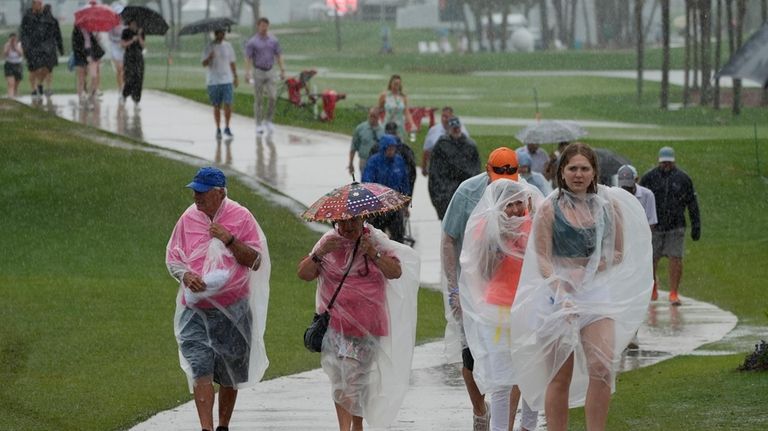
(330, 97)
(296, 85)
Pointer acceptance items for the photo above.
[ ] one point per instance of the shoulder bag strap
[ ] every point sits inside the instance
(341, 283)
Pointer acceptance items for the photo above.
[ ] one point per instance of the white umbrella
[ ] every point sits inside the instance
(551, 131)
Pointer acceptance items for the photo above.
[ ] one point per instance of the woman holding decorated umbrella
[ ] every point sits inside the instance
(368, 347)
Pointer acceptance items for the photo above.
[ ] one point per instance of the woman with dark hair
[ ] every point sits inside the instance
(368, 347)
(583, 292)
(133, 62)
(87, 54)
(394, 104)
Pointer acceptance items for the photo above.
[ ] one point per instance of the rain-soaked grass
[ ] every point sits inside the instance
(87, 340)
(689, 393)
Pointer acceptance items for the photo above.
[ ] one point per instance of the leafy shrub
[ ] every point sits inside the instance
(757, 360)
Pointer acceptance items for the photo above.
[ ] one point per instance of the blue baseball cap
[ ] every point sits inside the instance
(207, 178)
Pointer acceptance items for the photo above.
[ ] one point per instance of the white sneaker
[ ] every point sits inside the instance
(269, 126)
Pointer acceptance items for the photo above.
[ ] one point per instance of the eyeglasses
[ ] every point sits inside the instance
(504, 170)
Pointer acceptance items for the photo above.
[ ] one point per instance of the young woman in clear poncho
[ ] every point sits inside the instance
(368, 348)
(491, 259)
(583, 292)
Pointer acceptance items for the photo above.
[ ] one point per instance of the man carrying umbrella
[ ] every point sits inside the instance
(261, 52)
(221, 78)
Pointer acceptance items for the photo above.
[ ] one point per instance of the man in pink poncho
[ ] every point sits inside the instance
(219, 255)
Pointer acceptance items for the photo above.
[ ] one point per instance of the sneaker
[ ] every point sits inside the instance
(228, 132)
(259, 129)
(218, 133)
(655, 292)
(482, 423)
(674, 299)
(269, 126)
(48, 93)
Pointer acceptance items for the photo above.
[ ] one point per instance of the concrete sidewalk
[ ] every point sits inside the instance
(304, 164)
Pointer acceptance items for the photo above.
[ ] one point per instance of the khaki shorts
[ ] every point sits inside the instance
(668, 243)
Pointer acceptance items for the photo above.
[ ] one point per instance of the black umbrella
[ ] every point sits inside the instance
(206, 25)
(609, 163)
(147, 19)
(751, 60)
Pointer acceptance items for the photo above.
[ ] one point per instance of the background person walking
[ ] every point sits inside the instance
(262, 51)
(221, 79)
(12, 68)
(674, 193)
(133, 62)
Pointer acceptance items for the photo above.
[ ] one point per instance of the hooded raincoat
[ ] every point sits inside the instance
(491, 261)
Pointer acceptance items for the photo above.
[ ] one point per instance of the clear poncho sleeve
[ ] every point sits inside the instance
(584, 290)
(491, 260)
(368, 349)
(239, 294)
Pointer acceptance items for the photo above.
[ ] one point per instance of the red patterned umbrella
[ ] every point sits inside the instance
(97, 17)
(355, 200)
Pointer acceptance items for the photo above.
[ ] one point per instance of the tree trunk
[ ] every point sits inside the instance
(337, 21)
(504, 33)
(664, 96)
(572, 25)
(544, 18)
(640, 41)
(705, 20)
(764, 16)
(718, 47)
(687, 55)
(695, 40)
(741, 11)
(491, 31)
(467, 30)
(587, 31)
(560, 21)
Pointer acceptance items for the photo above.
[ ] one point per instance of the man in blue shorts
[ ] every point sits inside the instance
(221, 78)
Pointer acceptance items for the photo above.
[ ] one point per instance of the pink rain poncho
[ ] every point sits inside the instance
(584, 290)
(491, 261)
(239, 294)
(368, 348)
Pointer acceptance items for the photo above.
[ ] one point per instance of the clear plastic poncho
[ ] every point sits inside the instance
(495, 241)
(584, 290)
(240, 296)
(368, 348)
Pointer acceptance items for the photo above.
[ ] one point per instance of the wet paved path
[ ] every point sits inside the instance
(303, 164)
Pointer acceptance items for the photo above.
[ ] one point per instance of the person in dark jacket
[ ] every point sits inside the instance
(673, 190)
(39, 42)
(54, 50)
(389, 169)
(453, 160)
(87, 54)
(133, 62)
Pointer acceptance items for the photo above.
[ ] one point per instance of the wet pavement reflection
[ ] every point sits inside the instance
(304, 164)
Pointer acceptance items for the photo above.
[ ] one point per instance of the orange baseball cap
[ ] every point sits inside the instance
(502, 163)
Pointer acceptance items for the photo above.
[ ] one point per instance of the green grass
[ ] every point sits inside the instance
(88, 303)
(689, 393)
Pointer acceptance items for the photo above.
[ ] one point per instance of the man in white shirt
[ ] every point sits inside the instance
(628, 181)
(434, 133)
(221, 78)
(539, 157)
